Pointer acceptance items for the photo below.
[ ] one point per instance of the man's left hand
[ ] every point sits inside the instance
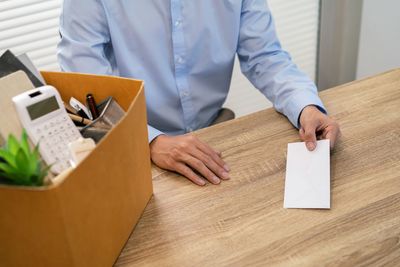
(315, 124)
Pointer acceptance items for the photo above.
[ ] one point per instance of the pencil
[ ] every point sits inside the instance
(80, 119)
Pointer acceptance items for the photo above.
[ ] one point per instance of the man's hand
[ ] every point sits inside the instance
(186, 154)
(315, 124)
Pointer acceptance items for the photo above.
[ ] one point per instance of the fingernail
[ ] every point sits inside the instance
(310, 146)
(202, 182)
(226, 167)
(216, 180)
(225, 175)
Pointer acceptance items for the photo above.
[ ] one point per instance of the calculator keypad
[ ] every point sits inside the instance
(53, 137)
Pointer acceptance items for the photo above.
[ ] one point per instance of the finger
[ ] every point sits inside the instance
(309, 135)
(210, 163)
(301, 133)
(213, 154)
(202, 169)
(332, 135)
(188, 173)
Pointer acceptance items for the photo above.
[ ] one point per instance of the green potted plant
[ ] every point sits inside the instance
(21, 165)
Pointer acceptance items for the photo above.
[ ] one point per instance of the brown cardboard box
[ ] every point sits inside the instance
(86, 219)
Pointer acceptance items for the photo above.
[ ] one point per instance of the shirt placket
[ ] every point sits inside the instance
(181, 72)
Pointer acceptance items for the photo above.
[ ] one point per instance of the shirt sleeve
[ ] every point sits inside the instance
(85, 39)
(153, 133)
(85, 42)
(268, 67)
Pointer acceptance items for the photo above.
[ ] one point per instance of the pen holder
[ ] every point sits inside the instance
(110, 114)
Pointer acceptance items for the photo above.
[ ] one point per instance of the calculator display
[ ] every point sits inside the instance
(42, 108)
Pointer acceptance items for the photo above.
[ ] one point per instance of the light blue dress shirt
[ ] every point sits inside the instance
(184, 50)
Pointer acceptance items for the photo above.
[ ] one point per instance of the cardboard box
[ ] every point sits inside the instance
(87, 219)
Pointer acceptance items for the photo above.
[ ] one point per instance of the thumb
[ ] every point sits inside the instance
(308, 135)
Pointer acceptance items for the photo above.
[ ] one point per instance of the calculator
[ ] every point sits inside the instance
(42, 114)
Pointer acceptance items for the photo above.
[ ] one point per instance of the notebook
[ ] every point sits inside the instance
(10, 64)
(11, 85)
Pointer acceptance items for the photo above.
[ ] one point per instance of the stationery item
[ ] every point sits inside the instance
(91, 132)
(91, 103)
(10, 64)
(307, 183)
(80, 119)
(80, 108)
(111, 111)
(43, 116)
(110, 114)
(70, 109)
(10, 86)
(79, 149)
(29, 64)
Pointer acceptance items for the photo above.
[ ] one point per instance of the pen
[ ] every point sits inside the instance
(80, 119)
(92, 106)
(80, 108)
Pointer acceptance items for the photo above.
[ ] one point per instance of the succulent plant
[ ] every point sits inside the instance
(19, 164)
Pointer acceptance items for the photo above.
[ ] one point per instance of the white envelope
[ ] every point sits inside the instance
(307, 183)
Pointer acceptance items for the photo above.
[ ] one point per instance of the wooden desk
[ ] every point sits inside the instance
(242, 222)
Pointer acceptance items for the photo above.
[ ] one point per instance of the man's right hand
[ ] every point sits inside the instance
(186, 154)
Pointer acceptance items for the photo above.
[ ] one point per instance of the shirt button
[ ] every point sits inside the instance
(177, 23)
(184, 94)
(179, 59)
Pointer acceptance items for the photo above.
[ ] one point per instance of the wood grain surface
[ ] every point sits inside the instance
(242, 222)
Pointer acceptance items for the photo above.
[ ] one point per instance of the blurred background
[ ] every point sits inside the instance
(333, 42)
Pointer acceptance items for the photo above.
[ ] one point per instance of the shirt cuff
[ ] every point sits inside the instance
(298, 102)
(153, 133)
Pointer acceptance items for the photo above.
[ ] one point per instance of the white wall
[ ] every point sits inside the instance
(379, 48)
(297, 26)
